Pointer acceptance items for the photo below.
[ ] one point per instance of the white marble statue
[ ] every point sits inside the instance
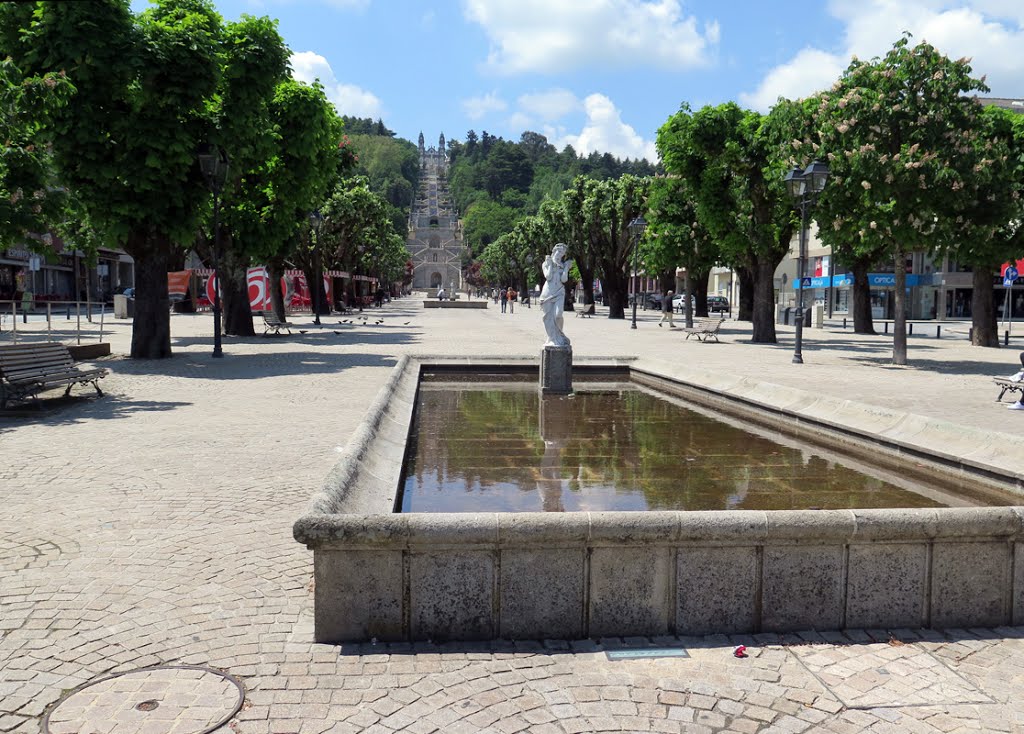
(552, 296)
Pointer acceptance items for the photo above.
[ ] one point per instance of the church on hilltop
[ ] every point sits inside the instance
(435, 234)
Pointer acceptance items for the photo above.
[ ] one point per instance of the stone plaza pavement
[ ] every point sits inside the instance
(153, 526)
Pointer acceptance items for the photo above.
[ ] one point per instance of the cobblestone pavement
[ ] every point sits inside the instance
(153, 526)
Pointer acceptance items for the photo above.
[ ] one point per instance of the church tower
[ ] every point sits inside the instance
(422, 149)
(440, 146)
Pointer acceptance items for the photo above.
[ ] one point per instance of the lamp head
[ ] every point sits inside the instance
(637, 227)
(816, 175)
(214, 164)
(796, 183)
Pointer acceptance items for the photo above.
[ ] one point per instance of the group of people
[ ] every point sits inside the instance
(507, 297)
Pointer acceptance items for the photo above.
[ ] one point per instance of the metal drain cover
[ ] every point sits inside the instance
(183, 699)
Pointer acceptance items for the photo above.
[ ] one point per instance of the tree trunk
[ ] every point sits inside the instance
(985, 329)
(275, 271)
(587, 279)
(615, 288)
(862, 322)
(314, 278)
(699, 284)
(234, 270)
(151, 327)
(745, 310)
(763, 331)
(899, 325)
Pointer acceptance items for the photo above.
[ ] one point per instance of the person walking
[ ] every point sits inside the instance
(504, 300)
(511, 295)
(666, 309)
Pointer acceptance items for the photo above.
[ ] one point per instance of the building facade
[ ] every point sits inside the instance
(64, 275)
(435, 233)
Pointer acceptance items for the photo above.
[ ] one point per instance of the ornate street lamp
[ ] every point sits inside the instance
(214, 164)
(636, 231)
(316, 220)
(804, 186)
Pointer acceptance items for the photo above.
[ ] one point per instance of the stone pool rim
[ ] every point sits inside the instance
(408, 561)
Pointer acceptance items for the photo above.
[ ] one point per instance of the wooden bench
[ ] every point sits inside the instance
(28, 369)
(272, 323)
(704, 329)
(1006, 385)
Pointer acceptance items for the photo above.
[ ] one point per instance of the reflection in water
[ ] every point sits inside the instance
(478, 449)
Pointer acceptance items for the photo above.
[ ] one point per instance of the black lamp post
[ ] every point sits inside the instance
(636, 231)
(804, 186)
(315, 221)
(213, 162)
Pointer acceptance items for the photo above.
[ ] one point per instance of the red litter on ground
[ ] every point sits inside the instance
(740, 651)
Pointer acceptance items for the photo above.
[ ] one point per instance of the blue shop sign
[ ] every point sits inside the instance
(875, 280)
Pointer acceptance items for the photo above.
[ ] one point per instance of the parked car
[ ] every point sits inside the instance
(678, 304)
(718, 304)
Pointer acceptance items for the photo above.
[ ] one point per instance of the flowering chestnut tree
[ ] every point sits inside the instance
(906, 147)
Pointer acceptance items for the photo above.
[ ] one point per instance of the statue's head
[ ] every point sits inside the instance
(559, 251)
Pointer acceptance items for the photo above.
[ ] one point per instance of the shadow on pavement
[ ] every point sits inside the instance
(247, 366)
(62, 411)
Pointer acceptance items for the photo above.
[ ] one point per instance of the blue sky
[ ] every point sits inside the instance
(605, 74)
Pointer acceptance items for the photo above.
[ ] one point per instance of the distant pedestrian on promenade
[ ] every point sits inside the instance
(440, 294)
(666, 309)
(504, 300)
(511, 296)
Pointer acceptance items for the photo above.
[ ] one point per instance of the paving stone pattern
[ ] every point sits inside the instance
(153, 526)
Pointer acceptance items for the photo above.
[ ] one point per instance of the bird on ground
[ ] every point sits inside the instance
(406, 323)
(379, 321)
(303, 331)
(338, 333)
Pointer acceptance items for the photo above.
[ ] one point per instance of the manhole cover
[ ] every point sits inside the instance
(184, 699)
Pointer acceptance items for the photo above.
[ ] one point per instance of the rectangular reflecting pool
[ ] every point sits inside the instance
(485, 447)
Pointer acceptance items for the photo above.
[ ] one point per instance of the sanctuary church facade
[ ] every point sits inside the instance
(435, 234)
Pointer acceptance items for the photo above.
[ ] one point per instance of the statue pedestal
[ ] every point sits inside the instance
(556, 370)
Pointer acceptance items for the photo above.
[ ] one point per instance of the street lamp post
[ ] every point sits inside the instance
(804, 186)
(214, 164)
(315, 221)
(636, 231)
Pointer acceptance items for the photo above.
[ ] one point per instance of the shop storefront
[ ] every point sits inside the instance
(840, 288)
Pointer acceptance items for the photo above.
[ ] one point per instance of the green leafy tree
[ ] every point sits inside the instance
(31, 200)
(729, 158)
(989, 230)
(905, 142)
(309, 158)
(255, 63)
(678, 239)
(608, 209)
(125, 143)
(485, 221)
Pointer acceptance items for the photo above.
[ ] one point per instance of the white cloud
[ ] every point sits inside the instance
(605, 132)
(477, 107)
(810, 70)
(558, 35)
(990, 32)
(553, 104)
(308, 66)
